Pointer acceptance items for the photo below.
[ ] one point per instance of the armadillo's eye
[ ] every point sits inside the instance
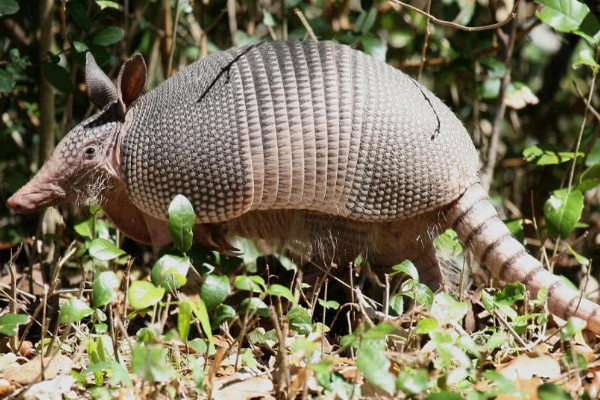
(89, 152)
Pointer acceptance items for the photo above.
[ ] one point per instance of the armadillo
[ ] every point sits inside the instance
(290, 141)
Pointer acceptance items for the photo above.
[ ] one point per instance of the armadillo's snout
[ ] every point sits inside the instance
(31, 198)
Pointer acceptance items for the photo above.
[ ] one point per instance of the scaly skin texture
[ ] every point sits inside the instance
(303, 146)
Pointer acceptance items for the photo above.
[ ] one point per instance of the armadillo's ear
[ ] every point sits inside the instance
(100, 89)
(132, 80)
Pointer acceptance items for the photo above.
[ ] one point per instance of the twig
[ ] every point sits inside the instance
(13, 300)
(282, 370)
(504, 322)
(173, 39)
(583, 123)
(510, 16)
(305, 23)
(590, 107)
(425, 42)
(487, 172)
(232, 20)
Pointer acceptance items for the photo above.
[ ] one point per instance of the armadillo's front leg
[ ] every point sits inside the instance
(477, 224)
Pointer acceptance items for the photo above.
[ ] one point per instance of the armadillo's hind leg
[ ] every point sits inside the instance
(409, 239)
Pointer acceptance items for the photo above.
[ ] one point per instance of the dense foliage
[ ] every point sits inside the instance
(523, 84)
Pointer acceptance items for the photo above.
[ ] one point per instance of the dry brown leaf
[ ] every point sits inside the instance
(31, 371)
(50, 390)
(528, 386)
(520, 98)
(6, 388)
(239, 386)
(526, 367)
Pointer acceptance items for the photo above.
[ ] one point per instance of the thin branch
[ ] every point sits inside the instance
(487, 172)
(302, 19)
(430, 17)
(583, 123)
(425, 43)
(173, 39)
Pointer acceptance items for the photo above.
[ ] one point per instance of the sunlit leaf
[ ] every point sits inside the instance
(103, 249)
(563, 210)
(73, 311)
(143, 294)
(181, 222)
(9, 323)
(563, 15)
(105, 288)
(215, 290)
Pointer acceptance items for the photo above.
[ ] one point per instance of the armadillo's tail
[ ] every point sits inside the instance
(477, 224)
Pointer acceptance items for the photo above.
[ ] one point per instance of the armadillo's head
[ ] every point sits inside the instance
(88, 157)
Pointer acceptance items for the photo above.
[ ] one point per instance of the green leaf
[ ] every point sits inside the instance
(590, 29)
(105, 250)
(579, 362)
(184, 319)
(374, 46)
(374, 365)
(550, 391)
(304, 347)
(280, 291)
(9, 323)
(250, 283)
(58, 77)
(572, 327)
(73, 311)
(413, 381)
(118, 373)
(515, 227)
(332, 304)
(300, 320)
(201, 313)
(446, 309)
(107, 36)
(150, 363)
(444, 396)
(563, 15)
(215, 290)
(406, 267)
(181, 222)
(585, 56)
(108, 4)
(254, 304)
(580, 258)
(85, 228)
(496, 340)
(426, 325)
(222, 314)
(105, 288)
(380, 331)
(590, 178)
(366, 20)
(8, 7)
(548, 154)
(79, 15)
(510, 294)
(170, 271)
(269, 19)
(143, 294)
(563, 210)
(7, 81)
(448, 243)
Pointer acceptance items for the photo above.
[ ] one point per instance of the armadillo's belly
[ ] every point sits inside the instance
(296, 125)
